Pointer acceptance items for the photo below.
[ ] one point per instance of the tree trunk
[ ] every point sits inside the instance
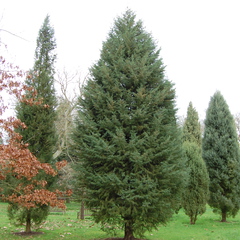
(82, 210)
(192, 220)
(28, 223)
(128, 231)
(224, 216)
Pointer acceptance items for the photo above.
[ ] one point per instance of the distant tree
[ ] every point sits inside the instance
(127, 138)
(180, 121)
(197, 191)
(70, 86)
(64, 126)
(19, 168)
(221, 154)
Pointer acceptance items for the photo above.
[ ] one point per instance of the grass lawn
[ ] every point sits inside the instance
(67, 226)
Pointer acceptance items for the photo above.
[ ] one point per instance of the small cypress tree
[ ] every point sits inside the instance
(197, 191)
(127, 138)
(221, 154)
(39, 118)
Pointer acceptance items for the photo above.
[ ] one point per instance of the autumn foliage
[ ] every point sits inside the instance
(16, 160)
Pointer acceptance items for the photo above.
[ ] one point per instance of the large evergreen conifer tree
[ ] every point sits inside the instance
(127, 138)
(221, 153)
(39, 118)
(197, 191)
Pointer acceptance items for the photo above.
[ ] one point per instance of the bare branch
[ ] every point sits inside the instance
(15, 35)
(70, 86)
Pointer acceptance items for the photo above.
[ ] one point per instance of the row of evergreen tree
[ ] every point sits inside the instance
(212, 160)
(135, 165)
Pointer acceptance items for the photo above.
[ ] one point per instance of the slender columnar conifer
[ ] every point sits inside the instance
(197, 190)
(40, 118)
(221, 154)
(40, 132)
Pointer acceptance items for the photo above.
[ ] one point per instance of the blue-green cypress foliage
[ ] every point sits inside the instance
(221, 154)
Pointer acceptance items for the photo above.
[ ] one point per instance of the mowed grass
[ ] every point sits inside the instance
(67, 226)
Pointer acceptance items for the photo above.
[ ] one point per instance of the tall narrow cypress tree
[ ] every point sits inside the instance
(221, 153)
(126, 134)
(197, 190)
(40, 132)
(39, 119)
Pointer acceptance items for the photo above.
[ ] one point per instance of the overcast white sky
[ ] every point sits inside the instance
(200, 39)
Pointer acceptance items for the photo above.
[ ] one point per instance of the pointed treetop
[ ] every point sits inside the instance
(218, 108)
(191, 127)
(46, 44)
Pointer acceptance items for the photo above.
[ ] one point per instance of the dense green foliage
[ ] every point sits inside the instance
(127, 138)
(191, 127)
(221, 153)
(39, 118)
(197, 191)
(40, 132)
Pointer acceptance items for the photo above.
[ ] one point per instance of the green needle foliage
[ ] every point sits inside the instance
(197, 191)
(128, 142)
(39, 118)
(40, 132)
(191, 127)
(221, 153)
